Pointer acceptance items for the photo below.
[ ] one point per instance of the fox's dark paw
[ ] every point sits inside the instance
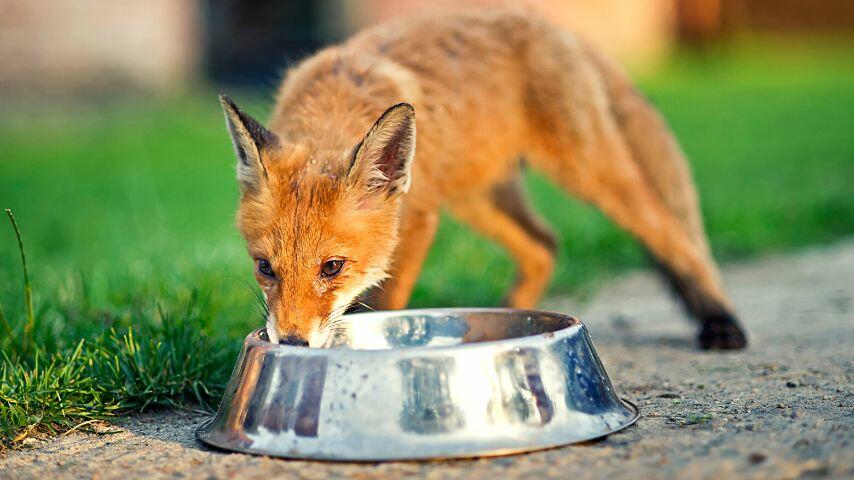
(721, 333)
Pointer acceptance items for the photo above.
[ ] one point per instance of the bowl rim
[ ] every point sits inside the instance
(253, 338)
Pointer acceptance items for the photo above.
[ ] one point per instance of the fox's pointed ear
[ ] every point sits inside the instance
(383, 161)
(249, 138)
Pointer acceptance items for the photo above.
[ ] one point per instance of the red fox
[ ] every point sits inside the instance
(339, 194)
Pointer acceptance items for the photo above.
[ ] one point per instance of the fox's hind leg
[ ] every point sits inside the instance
(504, 216)
(656, 152)
(621, 192)
(615, 184)
(581, 138)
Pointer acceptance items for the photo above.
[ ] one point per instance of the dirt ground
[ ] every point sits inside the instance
(782, 409)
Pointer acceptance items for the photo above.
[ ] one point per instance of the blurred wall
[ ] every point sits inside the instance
(69, 47)
(73, 46)
(638, 32)
(790, 16)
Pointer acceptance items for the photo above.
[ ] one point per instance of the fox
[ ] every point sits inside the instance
(340, 199)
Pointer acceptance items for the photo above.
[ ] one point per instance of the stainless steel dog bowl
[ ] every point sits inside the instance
(417, 384)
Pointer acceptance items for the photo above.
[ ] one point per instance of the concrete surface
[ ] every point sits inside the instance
(782, 409)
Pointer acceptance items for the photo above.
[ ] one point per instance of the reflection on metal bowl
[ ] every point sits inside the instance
(417, 384)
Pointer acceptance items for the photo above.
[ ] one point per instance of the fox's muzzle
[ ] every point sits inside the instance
(293, 340)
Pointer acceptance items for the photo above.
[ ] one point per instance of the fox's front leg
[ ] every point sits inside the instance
(417, 230)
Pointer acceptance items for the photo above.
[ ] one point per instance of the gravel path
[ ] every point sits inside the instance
(782, 409)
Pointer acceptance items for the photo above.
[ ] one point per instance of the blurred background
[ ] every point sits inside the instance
(98, 46)
(115, 159)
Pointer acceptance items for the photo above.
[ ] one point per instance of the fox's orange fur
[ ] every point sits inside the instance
(488, 88)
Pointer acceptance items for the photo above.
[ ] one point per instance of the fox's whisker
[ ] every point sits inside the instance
(334, 316)
(366, 306)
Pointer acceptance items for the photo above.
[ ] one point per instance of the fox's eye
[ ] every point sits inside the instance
(265, 269)
(332, 267)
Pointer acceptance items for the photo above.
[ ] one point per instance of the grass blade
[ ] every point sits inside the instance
(28, 290)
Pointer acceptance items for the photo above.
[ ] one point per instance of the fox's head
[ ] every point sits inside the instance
(320, 225)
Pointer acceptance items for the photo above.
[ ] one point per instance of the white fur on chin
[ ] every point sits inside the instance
(272, 332)
(319, 338)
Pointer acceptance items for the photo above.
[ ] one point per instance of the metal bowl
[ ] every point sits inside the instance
(417, 384)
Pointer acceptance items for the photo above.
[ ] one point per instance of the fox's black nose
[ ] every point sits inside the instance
(294, 341)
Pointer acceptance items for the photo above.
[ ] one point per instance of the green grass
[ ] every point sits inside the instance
(127, 208)
(157, 358)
